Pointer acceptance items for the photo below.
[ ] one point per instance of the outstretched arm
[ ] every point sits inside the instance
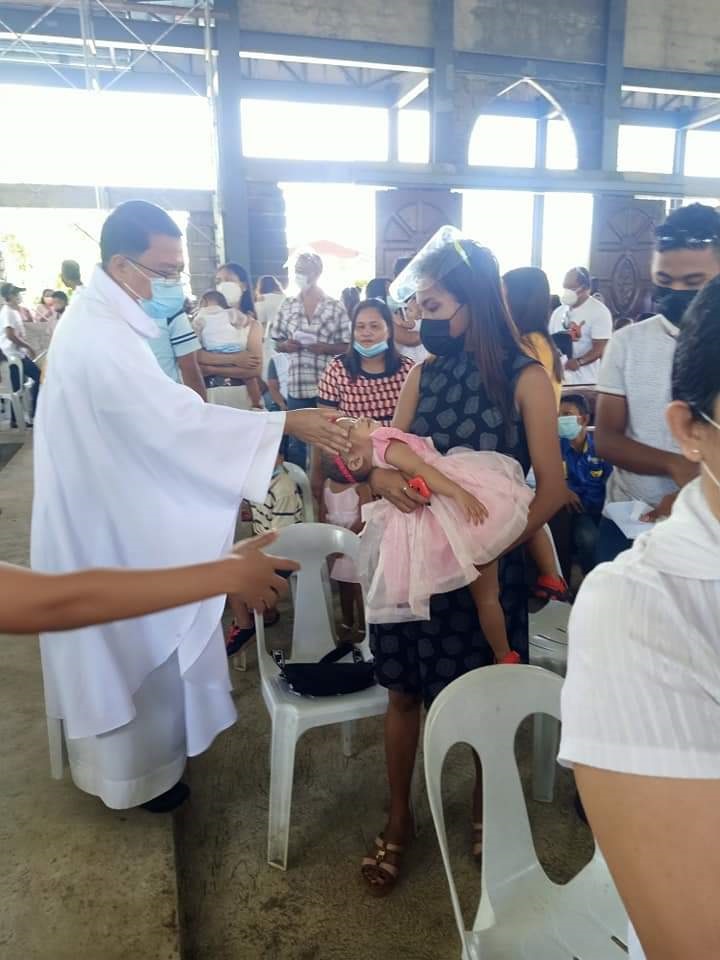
(40, 602)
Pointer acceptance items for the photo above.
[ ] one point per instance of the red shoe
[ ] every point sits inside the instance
(511, 658)
(552, 588)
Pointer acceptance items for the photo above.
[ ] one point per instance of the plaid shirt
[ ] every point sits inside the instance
(330, 324)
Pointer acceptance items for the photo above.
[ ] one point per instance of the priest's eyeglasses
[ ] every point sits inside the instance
(177, 276)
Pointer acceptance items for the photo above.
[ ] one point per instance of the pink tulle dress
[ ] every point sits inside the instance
(406, 558)
(342, 509)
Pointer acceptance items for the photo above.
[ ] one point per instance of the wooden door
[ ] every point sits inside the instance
(622, 244)
(406, 219)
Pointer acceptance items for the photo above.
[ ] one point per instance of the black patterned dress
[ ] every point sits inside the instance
(423, 657)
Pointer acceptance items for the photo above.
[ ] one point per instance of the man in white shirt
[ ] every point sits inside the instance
(133, 470)
(13, 343)
(634, 383)
(641, 702)
(589, 324)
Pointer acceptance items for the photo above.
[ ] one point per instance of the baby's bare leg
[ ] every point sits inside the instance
(486, 594)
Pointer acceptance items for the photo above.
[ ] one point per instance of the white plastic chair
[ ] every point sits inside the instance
(15, 398)
(548, 649)
(310, 544)
(303, 484)
(300, 478)
(522, 914)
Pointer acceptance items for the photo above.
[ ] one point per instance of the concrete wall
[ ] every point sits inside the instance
(664, 34)
(386, 21)
(552, 29)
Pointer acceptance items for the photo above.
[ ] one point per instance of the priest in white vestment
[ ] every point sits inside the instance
(134, 470)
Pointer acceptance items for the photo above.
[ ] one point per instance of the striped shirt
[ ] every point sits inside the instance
(283, 505)
(371, 395)
(177, 339)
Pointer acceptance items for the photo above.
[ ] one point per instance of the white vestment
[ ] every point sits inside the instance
(134, 470)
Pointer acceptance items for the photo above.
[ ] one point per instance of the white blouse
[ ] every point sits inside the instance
(642, 694)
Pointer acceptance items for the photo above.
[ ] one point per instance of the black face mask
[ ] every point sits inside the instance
(672, 304)
(435, 336)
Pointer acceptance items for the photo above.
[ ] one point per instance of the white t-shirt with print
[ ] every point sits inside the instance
(10, 317)
(595, 323)
(638, 366)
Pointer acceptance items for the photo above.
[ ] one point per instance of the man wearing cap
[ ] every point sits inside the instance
(13, 343)
(589, 324)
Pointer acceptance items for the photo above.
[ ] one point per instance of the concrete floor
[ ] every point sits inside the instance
(77, 881)
(235, 907)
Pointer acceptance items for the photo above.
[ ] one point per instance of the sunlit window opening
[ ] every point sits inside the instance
(645, 149)
(278, 129)
(333, 215)
(414, 136)
(112, 139)
(567, 231)
(561, 152)
(702, 153)
(503, 221)
(502, 142)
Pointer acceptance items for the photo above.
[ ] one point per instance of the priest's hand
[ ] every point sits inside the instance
(317, 426)
(254, 576)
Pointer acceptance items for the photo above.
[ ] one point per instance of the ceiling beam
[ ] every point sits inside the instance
(65, 25)
(701, 119)
(489, 178)
(671, 81)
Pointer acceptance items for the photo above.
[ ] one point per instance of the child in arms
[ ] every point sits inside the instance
(478, 508)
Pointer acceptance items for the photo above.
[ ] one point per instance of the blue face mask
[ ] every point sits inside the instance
(569, 427)
(167, 300)
(369, 352)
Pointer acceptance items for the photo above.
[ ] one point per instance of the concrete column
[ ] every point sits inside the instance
(539, 198)
(232, 187)
(614, 65)
(442, 84)
(202, 250)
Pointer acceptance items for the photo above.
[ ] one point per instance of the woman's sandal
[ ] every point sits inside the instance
(477, 841)
(380, 874)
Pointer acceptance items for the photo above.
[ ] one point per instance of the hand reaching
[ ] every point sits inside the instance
(252, 574)
(316, 425)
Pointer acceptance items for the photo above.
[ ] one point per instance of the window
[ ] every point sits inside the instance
(646, 149)
(414, 136)
(561, 153)
(567, 230)
(503, 221)
(503, 142)
(112, 139)
(338, 213)
(279, 129)
(702, 153)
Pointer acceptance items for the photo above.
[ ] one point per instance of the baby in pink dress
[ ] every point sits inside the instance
(478, 508)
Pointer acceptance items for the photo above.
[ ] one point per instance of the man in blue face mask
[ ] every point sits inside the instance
(133, 470)
(634, 382)
(575, 529)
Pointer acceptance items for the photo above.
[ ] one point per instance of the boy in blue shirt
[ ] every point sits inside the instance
(575, 528)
